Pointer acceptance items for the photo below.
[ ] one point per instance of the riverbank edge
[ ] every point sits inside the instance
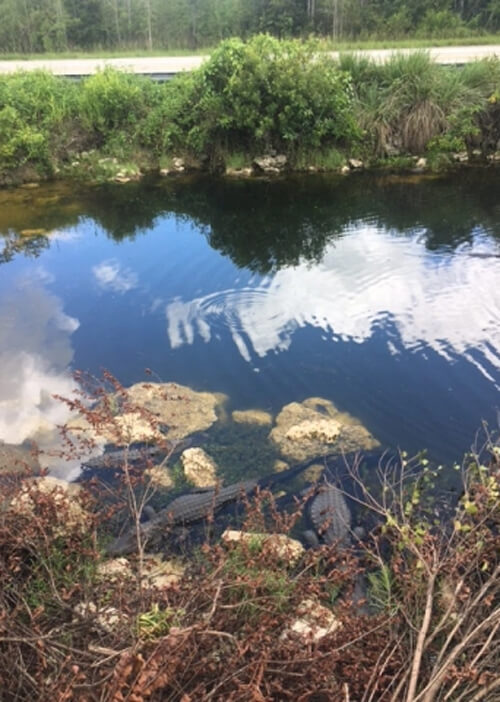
(96, 168)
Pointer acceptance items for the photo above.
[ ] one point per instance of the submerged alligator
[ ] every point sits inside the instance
(328, 510)
(197, 505)
(330, 514)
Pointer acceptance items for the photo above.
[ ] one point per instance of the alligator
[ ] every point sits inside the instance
(327, 508)
(330, 514)
(195, 506)
(115, 458)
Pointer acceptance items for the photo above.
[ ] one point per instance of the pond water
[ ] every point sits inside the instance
(379, 293)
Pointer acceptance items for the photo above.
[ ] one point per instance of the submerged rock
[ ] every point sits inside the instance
(239, 172)
(181, 410)
(199, 468)
(280, 466)
(324, 430)
(154, 411)
(252, 416)
(315, 427)
(313, 473)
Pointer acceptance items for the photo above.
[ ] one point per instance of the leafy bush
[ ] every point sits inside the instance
(260, 95)
(442, 23)
(19, 142)
(111, 100)
(35, 108)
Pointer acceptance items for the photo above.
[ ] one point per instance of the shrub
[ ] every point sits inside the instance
(112, 100)
(35, 108)
(260, 95)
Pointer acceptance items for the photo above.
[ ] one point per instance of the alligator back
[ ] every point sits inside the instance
(330, 514)
(185, 509)
(193, 506)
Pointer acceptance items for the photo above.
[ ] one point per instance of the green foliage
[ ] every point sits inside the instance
(59, 25)
(265, 94)
(112, 100)
(410, 103)
(251, 98)
(18, 141)
(442, 23)
(251, 582)
(381, 589)
(55, 570)
(156, 622)
(34, 107)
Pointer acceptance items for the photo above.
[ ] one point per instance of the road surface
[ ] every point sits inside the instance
(165, 66)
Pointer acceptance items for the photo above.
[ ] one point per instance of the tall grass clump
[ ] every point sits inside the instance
(406, 103)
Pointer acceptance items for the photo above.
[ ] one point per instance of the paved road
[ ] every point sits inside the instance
(169, 65)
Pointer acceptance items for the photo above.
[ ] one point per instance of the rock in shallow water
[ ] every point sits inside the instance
(159, 477)
(315, 427)
(176, 412)
(252, 416)
(199, 468)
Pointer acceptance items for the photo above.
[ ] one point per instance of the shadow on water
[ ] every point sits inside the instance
(265, 225)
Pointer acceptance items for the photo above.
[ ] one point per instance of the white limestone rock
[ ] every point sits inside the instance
(176, 411)
(199, 468)
(316, 427)
(280, 546)
(162, 574)
(313, 623)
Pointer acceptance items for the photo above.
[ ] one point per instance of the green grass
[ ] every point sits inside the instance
(410, 43)
(104, 53)
(344, 45)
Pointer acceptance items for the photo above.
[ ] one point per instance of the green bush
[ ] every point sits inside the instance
(18, 141)
(261, 95)
(35, 108)
(111, 100)
(441, 24)
(39, 98)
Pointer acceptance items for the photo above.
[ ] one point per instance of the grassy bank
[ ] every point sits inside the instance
(409, 611)
(249, 99)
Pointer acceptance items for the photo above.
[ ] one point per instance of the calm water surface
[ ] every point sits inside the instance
(381, 294)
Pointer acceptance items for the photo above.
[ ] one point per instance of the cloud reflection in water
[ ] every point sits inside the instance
(35, 358)
(450, 304)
